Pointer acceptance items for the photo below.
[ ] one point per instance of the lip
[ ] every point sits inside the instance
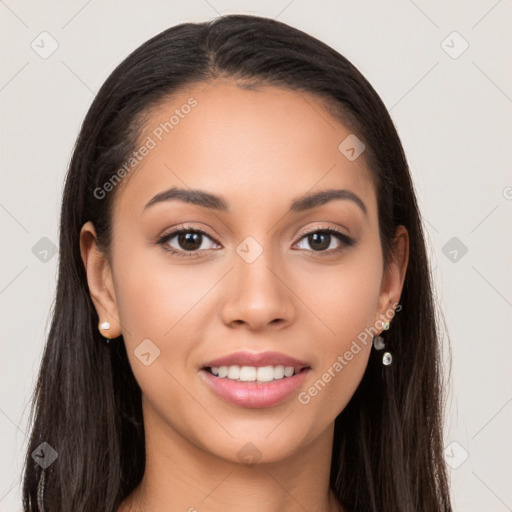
(257, 359)
(254, 394)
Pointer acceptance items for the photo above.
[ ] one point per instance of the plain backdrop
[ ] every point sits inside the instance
(442, 69)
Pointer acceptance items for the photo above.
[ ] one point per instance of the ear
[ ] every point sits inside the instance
(99, 279)
(394, 277)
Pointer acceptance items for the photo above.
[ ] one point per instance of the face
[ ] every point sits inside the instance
(249, 276)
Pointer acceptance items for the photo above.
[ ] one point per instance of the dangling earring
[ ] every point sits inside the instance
(105, 326)
(379, 344)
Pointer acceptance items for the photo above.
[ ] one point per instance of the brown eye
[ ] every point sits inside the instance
(321, 240)
(188, 242)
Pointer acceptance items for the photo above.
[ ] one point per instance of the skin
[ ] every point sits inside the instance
(259, 149)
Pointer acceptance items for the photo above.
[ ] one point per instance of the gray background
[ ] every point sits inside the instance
(452, 111)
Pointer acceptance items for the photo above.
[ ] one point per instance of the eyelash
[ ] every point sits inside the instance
(342, 237)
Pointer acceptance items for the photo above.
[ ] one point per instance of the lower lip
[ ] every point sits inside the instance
(254, 394)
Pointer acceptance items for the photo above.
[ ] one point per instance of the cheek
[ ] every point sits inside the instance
(160, 302)
(344, 300)
(156, 297)
(165, 303)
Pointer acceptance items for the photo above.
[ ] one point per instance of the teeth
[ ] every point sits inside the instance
(253, 373)
(234, 372)
(265, 374)
(278, 372)
(248, 373)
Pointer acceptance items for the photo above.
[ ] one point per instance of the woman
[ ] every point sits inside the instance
(244, 316)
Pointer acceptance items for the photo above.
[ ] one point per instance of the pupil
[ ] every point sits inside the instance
(184, 239)
(315, 238)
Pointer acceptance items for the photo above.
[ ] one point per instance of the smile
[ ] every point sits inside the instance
(251, 384)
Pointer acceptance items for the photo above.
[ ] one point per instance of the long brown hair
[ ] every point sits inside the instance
(387, 451)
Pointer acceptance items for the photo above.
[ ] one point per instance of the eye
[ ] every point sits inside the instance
(189, 241)
(321, 239)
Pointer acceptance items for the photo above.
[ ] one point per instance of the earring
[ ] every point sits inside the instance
(105, 326)
(379, 344)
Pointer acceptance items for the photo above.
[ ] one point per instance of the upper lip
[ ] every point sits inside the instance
(256, 359)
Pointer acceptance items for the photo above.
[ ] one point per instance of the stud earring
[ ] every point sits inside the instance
(380, 344)
(105, 326)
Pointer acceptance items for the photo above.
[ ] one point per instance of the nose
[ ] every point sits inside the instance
(257, 296)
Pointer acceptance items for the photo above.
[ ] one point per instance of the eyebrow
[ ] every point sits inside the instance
(208, 200)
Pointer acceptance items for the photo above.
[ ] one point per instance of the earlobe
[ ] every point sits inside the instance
(100, 282)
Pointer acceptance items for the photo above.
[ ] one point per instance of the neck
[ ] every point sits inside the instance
(179, 475)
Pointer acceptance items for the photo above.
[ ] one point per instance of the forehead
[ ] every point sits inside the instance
(256, 147)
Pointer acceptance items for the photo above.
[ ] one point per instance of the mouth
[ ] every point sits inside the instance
(255, 380)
